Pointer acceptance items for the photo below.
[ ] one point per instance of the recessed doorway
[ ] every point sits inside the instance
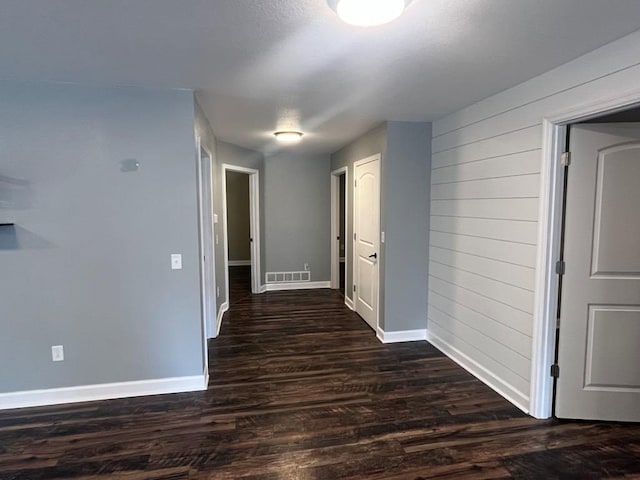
(241, 230)
(339, 216)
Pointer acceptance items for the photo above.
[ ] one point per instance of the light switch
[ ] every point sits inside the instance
(381, 237)
(176, 261)
(215, 218)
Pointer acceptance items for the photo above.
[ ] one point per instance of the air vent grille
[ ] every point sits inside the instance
(288, 277)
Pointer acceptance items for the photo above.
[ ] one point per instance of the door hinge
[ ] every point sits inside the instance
(354, 236)
(555, 370)
(560, 267)
(354, 288)
(566, 159)
(355, 183)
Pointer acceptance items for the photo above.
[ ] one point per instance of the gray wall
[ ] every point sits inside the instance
(371, 143)
(298, 214)
(238, 222)
(406, 175)
(88, 264)
(485, 212)
(405, 149)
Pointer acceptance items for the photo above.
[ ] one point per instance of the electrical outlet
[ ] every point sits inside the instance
(217, 291)
(216, 239)
(176, 261)
(57, 353)
(306, 267)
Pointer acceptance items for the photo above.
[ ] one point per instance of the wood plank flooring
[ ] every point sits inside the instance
(301, 389)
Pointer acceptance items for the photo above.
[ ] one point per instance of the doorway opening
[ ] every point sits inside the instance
(239, 235)
(241, 232)
(339, 216)
(555, 175)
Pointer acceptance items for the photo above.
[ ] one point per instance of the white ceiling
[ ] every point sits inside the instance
(263, 65)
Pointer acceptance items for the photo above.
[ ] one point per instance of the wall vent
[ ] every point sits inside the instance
(288, 277)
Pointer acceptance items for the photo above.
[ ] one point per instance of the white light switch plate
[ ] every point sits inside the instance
(176, 261)
(382, 237)
(215, 218)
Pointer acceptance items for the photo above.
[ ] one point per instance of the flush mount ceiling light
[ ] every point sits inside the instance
(368, 13)
(288, 137)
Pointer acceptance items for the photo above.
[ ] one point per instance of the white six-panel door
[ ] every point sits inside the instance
(367, 238)
(599, 343)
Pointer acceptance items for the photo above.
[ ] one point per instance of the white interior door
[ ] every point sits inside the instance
(367, 238)
(599, 344)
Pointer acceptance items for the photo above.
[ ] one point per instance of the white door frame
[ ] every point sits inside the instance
(354, 265)
(335, 226)
(205, 223)
(549, 236)
(254, 224)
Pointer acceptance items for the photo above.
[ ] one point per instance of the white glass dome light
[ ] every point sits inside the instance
(368, 13)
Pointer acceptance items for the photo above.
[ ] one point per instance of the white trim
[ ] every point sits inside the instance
(402, 336)
(239, 263)
(275, 287)
(549, 234)
(516, 397)
(206, 379)
(546, 290)
(263, 288)
(223, 308)
(349, 303)
(335, 227)
(105, 391)
(377, 157)
(254, 220)
(206, 288)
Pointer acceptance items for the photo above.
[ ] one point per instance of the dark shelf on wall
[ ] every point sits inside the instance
(7, 224)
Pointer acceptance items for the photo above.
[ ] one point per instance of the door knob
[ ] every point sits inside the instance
(373, 255)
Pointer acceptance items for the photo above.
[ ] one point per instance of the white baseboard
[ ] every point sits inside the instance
(206, 378)
(349, 303)
(402, 336)
(275, 287)
(263, 288)
(223, 308)
(516, 397)
(105, 391)
(239, 263)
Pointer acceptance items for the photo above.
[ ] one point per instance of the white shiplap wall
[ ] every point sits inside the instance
(485, 211)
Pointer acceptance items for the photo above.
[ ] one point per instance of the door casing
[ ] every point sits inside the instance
(549, 240)
(207, 248)
(335, 226)
(254, 221)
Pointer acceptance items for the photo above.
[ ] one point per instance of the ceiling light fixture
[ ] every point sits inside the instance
(368, 13)
(288, 136)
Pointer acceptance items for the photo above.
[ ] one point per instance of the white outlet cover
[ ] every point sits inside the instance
(176, 261)
(215, 218)
(57, 353)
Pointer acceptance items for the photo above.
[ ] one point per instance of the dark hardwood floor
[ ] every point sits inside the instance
(239, 284)
(301, 389)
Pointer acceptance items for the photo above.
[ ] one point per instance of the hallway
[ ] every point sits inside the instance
(300, 388)
(239, 284)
